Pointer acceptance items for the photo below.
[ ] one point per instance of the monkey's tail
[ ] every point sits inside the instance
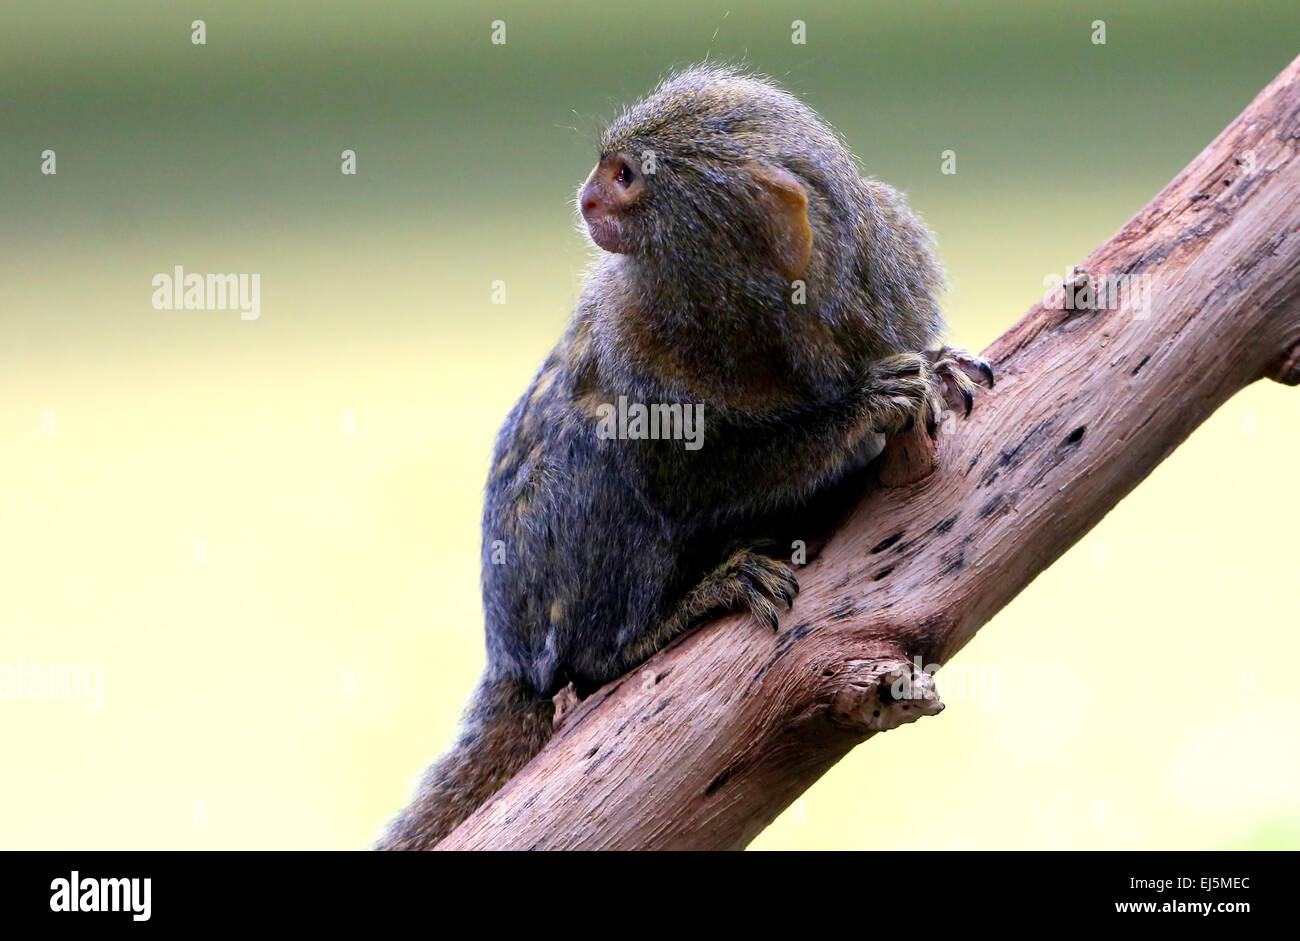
(504, 726)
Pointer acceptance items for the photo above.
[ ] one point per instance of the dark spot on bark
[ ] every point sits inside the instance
(946, 525)
(876, 713)
(996, 506)
(594, 749)
(717, 783)
(628, 721)
(660, 708)
(886, 543)
(956, 561)
(1014, 457)
(843, 611)
(1153, 256)
(595, 764)
(1076, 436)
(883, 573)
(1011, 456)
(799, 631)
(1145, 359)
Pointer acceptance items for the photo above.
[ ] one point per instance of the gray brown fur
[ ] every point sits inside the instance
(613, 547)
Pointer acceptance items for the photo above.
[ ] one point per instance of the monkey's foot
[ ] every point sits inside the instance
(958, 374)
(747, 579)
(566, 700)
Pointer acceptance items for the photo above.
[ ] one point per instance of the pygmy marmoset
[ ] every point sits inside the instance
(750, 269)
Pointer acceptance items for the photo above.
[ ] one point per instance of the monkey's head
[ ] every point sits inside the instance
(718, 170)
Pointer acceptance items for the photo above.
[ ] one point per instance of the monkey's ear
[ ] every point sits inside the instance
(788, 217)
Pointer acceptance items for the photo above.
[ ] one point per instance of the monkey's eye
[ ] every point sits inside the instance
(625, 176)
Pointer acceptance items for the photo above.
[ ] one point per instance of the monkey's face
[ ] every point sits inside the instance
(608, 199)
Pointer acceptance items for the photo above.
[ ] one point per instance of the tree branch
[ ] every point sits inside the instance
(705, 744)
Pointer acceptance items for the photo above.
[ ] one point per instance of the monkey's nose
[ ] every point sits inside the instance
(590, 202)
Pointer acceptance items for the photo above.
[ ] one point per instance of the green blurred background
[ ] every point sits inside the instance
(285, 692)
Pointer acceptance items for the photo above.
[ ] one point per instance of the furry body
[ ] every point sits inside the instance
(597, 552)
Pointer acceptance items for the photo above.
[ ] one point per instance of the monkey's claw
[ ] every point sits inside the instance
(957, 374)
(748, 579)
(759, 583)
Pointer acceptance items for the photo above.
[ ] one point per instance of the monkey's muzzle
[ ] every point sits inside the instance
(607, 194)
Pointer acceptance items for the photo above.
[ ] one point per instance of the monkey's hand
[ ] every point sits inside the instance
(903, 388)
(958, 373)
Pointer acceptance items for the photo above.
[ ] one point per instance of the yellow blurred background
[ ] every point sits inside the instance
(266, 532)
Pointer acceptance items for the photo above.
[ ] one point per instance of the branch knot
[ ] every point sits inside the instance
(882, 694)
